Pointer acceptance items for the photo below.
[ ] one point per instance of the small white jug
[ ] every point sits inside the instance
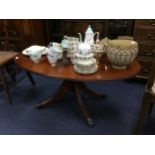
(56, 49)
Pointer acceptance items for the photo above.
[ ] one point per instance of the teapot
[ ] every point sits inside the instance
(89, 36)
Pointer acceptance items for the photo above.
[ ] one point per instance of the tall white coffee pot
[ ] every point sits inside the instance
(89, 36)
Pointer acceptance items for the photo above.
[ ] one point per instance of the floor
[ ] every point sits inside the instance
(114, 115)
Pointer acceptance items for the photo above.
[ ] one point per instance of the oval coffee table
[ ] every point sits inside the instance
(74, 82)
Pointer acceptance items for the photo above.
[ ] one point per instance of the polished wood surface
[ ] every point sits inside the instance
(67, 71)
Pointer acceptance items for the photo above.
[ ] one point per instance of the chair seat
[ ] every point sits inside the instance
(6, 56)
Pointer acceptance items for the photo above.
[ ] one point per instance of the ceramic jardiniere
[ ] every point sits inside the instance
(121, 53)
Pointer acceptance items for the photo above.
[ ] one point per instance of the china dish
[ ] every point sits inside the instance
(36, 48)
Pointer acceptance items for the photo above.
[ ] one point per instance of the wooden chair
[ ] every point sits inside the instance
(6, 57)
(11, 39)
(147, 101)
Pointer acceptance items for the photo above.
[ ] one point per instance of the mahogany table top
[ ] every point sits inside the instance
(66, 72)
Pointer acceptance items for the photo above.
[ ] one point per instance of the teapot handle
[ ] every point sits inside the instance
(97, 36)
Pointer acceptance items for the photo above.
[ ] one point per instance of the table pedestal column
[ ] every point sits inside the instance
(76, 88)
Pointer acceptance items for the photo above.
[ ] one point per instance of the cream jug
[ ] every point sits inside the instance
(89, 36)
(56, 49)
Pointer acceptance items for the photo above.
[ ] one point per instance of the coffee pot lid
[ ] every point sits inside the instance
(89, 30)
